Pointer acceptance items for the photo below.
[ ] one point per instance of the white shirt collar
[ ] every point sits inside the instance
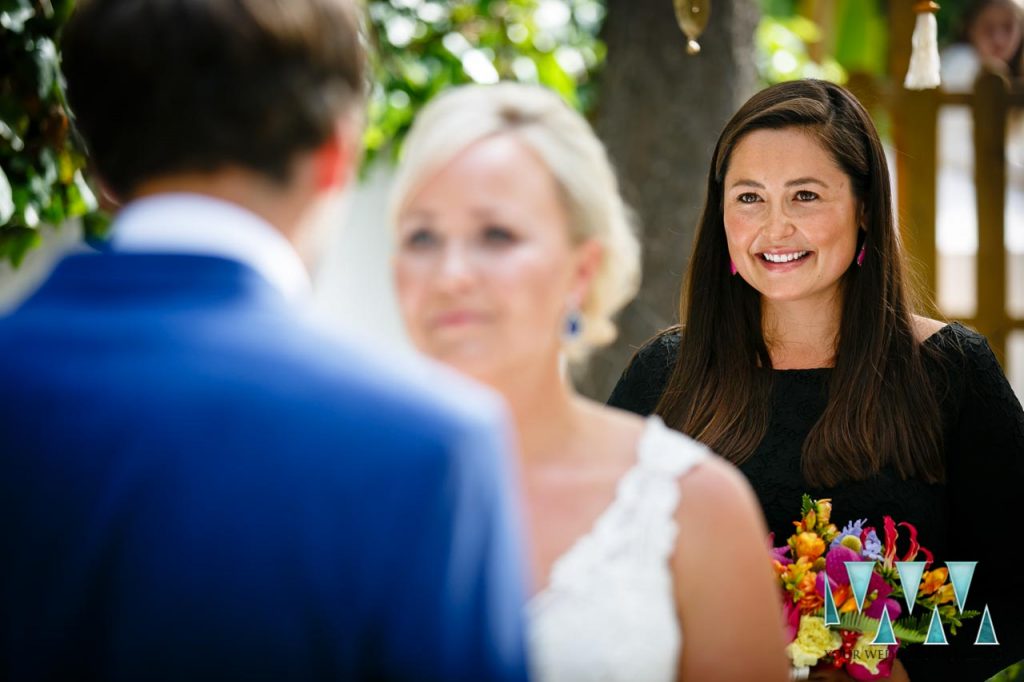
(198, 224)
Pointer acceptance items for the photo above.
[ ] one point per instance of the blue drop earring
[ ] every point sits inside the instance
(573, 324)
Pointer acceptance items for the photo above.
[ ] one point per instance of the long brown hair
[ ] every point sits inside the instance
(881, 410)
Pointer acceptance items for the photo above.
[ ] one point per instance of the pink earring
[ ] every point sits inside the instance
(732, 267)
(860, 255)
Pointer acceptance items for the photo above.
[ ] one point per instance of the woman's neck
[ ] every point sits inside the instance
(545, 409)
(802, 334)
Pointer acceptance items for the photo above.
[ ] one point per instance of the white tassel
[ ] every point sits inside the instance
(923, 73)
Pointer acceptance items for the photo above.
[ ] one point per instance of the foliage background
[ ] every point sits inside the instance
(420, 48)
(40, 167)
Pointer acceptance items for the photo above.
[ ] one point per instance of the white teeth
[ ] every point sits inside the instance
(783, 257)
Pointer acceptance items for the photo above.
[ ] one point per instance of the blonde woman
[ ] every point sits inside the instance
(513, 252)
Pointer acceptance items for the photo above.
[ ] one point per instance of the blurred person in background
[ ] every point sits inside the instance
(196, 482)
(514, 251)
(991, 38)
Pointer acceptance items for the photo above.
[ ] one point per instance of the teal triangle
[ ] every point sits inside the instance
(885, 636)
(910, 579)
(936, 635)
(860, 578)
(987, 632)
(960, 574)
(831, 612)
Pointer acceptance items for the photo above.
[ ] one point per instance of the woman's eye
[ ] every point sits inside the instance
(498, 235)
(806, 195)
(420, 239)
(748, 198)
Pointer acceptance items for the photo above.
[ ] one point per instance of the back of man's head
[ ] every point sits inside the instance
(161, 87)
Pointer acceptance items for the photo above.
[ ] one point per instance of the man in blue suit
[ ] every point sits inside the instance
(196, 482)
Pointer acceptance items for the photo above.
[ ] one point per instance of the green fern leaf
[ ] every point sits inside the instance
(908, 631)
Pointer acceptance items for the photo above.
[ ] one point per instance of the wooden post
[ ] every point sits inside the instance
(659, 116)
(915, 137)
(990, 111)
(917, 148)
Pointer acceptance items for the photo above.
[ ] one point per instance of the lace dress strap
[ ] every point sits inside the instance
(609, 610)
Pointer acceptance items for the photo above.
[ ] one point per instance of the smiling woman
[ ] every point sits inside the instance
(789, 210)
(800, 359)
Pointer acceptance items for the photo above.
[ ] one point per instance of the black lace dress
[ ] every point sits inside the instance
(977, 515)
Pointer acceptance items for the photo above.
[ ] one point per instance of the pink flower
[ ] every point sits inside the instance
(835, 564)
(884, 589)
(781, 554)
(791, 615)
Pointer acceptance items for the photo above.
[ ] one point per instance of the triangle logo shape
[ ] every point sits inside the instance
(860, 577)
(885, 636)
(960, 574)
(910, 573)
(831, 612)
(986, 632)
(936, 635)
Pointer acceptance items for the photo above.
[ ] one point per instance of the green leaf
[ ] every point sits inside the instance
(13, 139)
(907, 631)
(81, 199)
(14, 15)
(96, 225)
(15, 242)
(806, 504)
(47, 66)
(6, 198)
(53, 213)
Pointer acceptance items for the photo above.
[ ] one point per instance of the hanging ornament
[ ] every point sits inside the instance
(923, 73)
(692, 16)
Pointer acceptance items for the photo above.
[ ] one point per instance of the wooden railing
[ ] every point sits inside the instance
(915, 117)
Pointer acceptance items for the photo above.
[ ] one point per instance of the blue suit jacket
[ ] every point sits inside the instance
(195, 484)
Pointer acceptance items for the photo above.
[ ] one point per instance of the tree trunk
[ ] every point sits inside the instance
(660, 113)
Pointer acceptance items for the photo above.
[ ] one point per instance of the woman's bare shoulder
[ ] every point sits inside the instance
(925, 327)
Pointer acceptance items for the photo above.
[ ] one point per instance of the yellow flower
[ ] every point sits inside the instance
(852, 542)
(813, 640)
(944, 594)
(867, 654)
(824, 509)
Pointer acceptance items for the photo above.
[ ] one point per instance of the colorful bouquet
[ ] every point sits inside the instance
(856, 622)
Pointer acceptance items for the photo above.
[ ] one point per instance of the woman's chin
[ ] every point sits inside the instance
(475, 360)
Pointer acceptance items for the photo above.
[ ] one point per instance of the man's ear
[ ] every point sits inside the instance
(335, 161)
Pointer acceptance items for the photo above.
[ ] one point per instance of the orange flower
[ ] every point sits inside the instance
(844, 599)
(808, 545)
(793, 573)
(933, 580)
(810, 600)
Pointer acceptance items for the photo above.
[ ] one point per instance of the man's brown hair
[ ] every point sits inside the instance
(167, 86)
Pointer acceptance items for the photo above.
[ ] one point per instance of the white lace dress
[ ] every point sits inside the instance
(608, 612)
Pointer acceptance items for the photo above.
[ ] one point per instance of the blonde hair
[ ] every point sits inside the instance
(574, 156)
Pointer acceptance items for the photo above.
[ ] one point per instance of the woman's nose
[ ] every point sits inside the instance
(778, 224)
(456, 268)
